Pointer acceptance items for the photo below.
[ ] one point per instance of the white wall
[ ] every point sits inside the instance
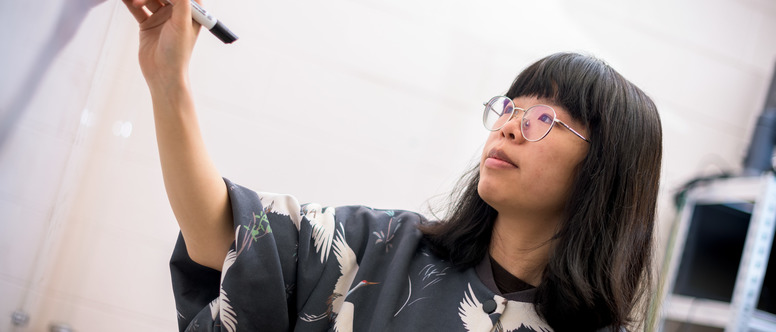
(370, 102)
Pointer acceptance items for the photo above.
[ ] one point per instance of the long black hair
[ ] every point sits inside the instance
(599, 267)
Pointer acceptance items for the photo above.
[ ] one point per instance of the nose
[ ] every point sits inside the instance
(511, 130)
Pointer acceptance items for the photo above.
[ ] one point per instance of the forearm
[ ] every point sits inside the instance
(197, 193)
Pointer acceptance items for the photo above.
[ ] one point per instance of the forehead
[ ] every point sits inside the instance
(525, 102)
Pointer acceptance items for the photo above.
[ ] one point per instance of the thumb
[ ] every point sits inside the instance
(182, 11)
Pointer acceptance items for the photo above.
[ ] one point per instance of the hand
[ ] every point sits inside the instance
(167, 38)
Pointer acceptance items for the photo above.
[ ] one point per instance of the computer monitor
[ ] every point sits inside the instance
(767, 301)
(712, 250)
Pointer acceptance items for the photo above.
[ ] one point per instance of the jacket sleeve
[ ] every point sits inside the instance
(255, 289)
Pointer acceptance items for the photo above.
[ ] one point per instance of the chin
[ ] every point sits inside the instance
(489, 194)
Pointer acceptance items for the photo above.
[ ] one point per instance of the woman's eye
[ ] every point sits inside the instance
(546, 118)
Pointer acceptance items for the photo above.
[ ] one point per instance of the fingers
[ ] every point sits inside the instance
(139, 14)
(143, 9)
(160, 17)
(154, 5)
(183, 14)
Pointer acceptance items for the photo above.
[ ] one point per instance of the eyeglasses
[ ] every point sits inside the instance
(536, 123)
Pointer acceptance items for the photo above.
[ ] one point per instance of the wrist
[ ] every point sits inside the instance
(168, 85)
(171, 94)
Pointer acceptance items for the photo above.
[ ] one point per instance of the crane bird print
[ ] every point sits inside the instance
(322, 222)
(285, 205)
(338, 309)
(515, 316)
(221, 306)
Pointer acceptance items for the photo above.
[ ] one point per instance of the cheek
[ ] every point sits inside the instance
(558, 182)
(555, 178)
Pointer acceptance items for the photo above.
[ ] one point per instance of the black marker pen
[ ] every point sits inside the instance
(211, 23)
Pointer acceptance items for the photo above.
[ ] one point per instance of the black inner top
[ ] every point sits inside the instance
(505, 281)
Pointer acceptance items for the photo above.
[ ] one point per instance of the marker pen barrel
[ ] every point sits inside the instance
(211, 23)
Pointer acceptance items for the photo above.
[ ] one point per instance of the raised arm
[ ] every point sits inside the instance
(197, 193)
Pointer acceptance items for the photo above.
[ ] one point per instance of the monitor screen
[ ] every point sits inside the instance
(712, 251)
(767, 301)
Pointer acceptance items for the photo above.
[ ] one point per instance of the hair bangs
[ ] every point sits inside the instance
(566, 79)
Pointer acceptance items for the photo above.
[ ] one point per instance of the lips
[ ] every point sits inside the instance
(497, 154)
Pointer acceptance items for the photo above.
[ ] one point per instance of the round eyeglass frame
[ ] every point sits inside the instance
(492, 101)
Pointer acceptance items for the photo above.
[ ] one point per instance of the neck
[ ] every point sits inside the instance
(523, 246)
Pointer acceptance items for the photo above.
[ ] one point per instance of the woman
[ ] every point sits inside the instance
(552, 231)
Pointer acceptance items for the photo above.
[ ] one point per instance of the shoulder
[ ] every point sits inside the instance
(367, 217)
(368, 227)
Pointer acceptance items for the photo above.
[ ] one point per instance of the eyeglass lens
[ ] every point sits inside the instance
(536, 122)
